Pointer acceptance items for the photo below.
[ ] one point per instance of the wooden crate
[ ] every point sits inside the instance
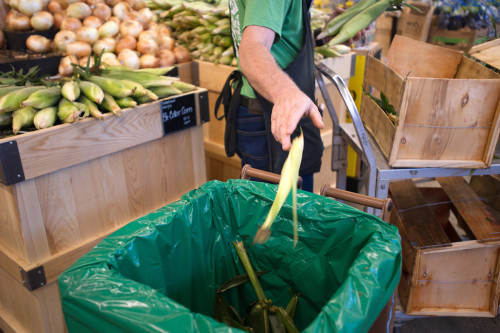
(447, 271)
(65, 188)
(416, 24)
(488, 53)
(443, 101)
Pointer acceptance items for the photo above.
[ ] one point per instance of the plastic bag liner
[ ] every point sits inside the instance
(160, 272)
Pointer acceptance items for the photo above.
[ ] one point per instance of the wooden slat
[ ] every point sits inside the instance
(10, 230)
(422, 227)
(487, 186)
(470, 69)
(213, 76)
(482, 221)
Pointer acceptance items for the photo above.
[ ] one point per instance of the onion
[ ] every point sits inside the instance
(147, 46)
(122, 10)
(38, 44)
(93, 3)
(29, 7)
(130, 28)
(78, 49)
(166, 58)
(111, 3)
(58, 19)
(92, 22)
(71, 23)
(163, 30)
(79, 10)
(55, 6)
(148, 61)
(102, 11)
(148, 35)
(129, 59)
(62, 38)
(110, 59)
(127, 42)
(2, 39)
(65, 67)
(138, 4)
(109, 29)
(153, 26)
(83, 61)
(166, 43)
(17, 21)
(145, 16)
(87, 34)
(42, 21)
(106, 44)
(12, 4)
(181, 54)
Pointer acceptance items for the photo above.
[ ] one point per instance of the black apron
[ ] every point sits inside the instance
(301, 71)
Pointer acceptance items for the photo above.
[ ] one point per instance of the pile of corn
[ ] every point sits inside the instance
(202, 28)
(68, 100)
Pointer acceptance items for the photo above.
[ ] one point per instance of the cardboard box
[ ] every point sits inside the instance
(461, 39)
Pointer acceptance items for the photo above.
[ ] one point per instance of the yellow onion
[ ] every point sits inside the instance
(147, 46)
(42, 21)
(138, 4)
(79, 10)
(83, 61)
(111, 3)
(29, 7)
(92, 22)
(59, 18)
(12, 4)
(130, 28)
(148, 61)
(147, 34)
(166, 58)
(78, 49)
(55, 6)
(102, 11)
(145, 16)
(93, 3)
(63, 38)
(163, 30)
(71, 23)
(115, 19)
(38, 44)
(181, 54)
(127, 42)
(65, 67)
(121, 10)
(106, 44)
(17, 21)
(129, 59)
(109, 29)
(110, 59)
(87, 34)
(166, 43)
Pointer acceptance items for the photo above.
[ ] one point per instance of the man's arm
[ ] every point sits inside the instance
(261, 70)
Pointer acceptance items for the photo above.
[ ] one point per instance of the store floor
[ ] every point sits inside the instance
(448, 325)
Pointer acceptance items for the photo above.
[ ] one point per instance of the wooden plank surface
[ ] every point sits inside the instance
(482, 221)
(488, 52)
(470, 69)
(213, 76)
(10, 231)
(422, 227)
(378, 124)
(407, 56)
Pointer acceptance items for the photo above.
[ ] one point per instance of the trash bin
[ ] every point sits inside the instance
(160, 272)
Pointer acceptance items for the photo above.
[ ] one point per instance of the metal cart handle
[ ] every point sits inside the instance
(248, 172)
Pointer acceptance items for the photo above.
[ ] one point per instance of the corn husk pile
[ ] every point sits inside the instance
(38, 103)
(202, 28)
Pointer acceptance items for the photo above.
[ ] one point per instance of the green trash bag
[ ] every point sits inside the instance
(160, 272)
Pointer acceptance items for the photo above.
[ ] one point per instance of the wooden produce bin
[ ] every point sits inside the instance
(488, 53)
(416, 24)
(449, 269)
(65, 188)
(448, 107)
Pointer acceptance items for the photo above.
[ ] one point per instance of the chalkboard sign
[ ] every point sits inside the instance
(178, 113)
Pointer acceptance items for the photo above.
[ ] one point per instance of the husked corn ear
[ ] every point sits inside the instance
(91, 106)
(114, 87)
(139, 90)
(92, 91)
(12, 101)
(69, 112)
(6, 119)
(126, 102)
(165, 91)
(183, 86)
(45, 117)
(23, 118)
(109, 104)
(43, 98)
(71, 90)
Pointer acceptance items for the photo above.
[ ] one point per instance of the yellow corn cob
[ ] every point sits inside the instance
(12, 101)
(45, 118)
(22, 118)
(92, 91)
(71, 90)
(109, 104)
(43, 98)
(114, 87)
(91, 106)
(69, 112)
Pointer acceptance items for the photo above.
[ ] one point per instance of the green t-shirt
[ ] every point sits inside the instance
(284, 17)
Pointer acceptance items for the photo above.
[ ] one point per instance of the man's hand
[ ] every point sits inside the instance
(261, 70)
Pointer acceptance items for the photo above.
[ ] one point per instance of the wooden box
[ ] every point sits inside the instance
(449, 269)
(447, 107)
(488, 53)
(65, 188)
(415, 24)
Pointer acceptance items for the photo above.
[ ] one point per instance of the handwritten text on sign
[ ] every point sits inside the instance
(178, 113)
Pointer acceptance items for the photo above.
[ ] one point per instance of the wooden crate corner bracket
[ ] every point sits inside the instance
(11, 167)
(33, 278)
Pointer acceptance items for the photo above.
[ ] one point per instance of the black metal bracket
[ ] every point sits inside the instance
(34, 278)
(11, 167)
(204, 108)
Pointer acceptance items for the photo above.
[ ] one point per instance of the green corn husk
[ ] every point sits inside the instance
(112, 86)
(226, 60)
(92, 91)
(71, 90)
(7, 89)
(183, 86)
(126, 102)
(147, 80)
(139, 90)
(69, 112)
(165, 91)
(45, 118)
(22, 118)
(43, 98)
(5, 119)
(109, 104)
(155, 71)
(12, 101)
(91, 107)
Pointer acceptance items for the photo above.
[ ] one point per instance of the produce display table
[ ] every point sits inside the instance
(65, 188)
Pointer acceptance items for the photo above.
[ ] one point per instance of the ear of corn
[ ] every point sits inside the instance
(12, 101)
(165, 91)
(126, 102)
(147, 80)
(92, 91)
(7, 89)
(109, 104)
(288, 181)
(91, 106)
(43, 98)
(183, 86)
(139, 90)
(71, 90)
(23, 118)
(45, 118)
(69, 112)
(5, 119)
(85, 110)
(112, 86)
